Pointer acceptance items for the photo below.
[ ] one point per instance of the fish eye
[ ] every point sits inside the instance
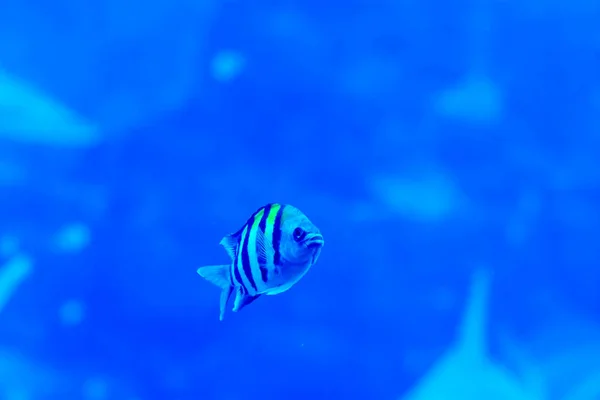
(299, 234)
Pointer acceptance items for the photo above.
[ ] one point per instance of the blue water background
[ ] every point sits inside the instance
(427, 140)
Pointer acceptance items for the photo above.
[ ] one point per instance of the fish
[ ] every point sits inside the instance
(269, 254)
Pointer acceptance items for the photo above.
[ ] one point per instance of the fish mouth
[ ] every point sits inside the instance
(314, 240)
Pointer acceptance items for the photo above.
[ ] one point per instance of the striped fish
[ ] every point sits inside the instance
(269, 254)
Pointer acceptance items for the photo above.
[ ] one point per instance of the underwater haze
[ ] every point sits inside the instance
(449, 153)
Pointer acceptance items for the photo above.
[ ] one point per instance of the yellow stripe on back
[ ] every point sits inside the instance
(271, 218)
(269, 228)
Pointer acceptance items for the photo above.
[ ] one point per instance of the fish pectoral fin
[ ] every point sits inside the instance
(279, 289)
(216, 274)
(263, 247)
(242, 300)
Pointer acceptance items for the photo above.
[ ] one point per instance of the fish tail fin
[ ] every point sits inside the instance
(219, 276)
(216, 274)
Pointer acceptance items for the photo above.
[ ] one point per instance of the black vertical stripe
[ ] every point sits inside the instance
(264, 274)
(232, 266)
(246, 258)
(263, 221)
(277, 236)
(238, 236)
(236, 271)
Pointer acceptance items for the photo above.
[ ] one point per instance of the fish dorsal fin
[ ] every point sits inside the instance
(231, 243)
(242, 300)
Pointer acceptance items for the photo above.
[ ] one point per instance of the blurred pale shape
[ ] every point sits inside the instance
(121, 64)
(425, 198)
(12, 274)
(227, 65)
(588, 389)
(475, 100)
(465, 371)
(31, 116)
(72, 313)
(72, 238)
(22, 378)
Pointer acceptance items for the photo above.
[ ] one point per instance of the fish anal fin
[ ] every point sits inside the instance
(216, 274)
(242, 300)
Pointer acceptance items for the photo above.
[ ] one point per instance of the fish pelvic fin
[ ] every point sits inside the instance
(219, 276)
(225, 295)
(242, 300)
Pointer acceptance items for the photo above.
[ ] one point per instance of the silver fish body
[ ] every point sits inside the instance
(270, 253)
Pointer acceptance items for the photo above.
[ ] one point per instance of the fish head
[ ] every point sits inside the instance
(301, 240)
